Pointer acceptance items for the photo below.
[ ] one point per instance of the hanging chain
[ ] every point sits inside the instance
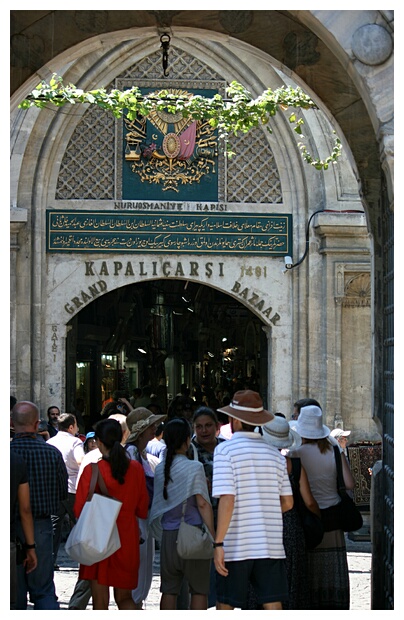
(165, 44)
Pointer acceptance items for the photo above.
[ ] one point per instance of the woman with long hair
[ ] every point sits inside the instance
(178, 480)
(125, 481)
(327, 564)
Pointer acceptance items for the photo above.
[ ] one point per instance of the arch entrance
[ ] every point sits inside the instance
(320, 314)
(163, 333)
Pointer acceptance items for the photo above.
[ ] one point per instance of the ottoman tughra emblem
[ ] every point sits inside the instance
(168, 150)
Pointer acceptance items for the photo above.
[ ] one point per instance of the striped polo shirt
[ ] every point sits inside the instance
(256, 474)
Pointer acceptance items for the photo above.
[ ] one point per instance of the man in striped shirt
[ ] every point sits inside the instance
(250, 478)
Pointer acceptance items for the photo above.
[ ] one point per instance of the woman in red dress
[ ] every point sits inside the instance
(125, 481)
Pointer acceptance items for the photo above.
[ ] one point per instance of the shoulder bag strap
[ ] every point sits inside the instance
(138, 456)
(296, 471)
(340, 476)
(97, 477)
(195, 454)
(93, 482)
(184, 507)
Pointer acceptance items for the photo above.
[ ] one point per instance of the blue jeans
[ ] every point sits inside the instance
(39, 584)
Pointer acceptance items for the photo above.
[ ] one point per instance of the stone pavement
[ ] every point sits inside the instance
(359, 562)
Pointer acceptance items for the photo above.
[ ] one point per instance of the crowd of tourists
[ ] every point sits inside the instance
(259, 486)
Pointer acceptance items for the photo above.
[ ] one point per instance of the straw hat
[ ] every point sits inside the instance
(139, 420)
(279, 434)
(247, 407)
(310, 423)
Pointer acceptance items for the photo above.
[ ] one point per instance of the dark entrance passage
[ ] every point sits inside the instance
(163, 332)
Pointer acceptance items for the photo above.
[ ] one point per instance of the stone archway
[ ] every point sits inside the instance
(181, 331)
(321, 48)
(78, 286)
(299, 186)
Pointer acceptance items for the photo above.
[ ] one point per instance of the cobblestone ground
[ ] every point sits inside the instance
(359, 562)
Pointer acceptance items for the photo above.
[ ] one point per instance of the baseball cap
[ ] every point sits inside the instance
(339, 432)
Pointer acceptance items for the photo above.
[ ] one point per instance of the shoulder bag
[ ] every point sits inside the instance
(149, 479)
(194, 542)
(95, 535)
(345, 515)
(312, 524)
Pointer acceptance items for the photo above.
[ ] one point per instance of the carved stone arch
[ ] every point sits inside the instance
(43, 136)
(257, 187)
(94, 151)
(358, 94)
(140, 313)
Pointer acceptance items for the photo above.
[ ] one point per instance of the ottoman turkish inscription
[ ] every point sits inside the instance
(191, 233)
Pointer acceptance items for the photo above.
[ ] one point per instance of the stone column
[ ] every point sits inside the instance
(18, 221)
(346, 249)
(55, 364)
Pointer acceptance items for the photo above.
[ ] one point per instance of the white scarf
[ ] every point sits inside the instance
(188, 478)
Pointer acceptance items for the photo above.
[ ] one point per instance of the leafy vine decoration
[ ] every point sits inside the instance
(239, 112)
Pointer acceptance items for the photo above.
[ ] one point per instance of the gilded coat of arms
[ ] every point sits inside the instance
(168, 150)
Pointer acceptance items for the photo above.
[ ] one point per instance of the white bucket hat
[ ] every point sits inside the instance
(310, 423)
(279, 434)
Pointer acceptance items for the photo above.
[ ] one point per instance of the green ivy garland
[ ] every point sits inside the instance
(238, 113)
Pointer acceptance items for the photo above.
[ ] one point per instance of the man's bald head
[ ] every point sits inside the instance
(25, 416)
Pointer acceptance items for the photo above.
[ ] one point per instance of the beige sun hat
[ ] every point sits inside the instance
(139, 420)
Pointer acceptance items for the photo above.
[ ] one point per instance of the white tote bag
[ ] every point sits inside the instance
(95, 536)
